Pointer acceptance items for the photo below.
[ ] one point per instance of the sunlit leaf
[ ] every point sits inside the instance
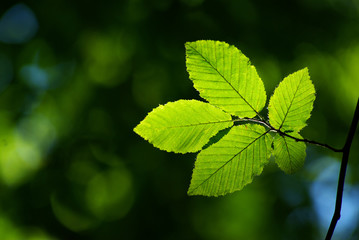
(232, 155)
(290, 106)
(183, 126)
(224, 76)
(289, 154)
(232, 162)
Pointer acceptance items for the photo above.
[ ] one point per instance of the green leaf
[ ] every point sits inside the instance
(290, 106)
(183, 126)
(225, 77)
(289, 154)
(232, 162)
(217, 137)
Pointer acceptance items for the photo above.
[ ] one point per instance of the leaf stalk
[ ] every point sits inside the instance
(269, 126)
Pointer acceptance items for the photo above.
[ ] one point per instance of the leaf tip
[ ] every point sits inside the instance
(135, 130)
(191, 191)
(138, 128)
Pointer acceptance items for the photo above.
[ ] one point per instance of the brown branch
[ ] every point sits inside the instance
(267, 125)
(342, 173)
(311, 142)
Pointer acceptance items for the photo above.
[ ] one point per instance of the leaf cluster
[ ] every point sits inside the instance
(229, 160)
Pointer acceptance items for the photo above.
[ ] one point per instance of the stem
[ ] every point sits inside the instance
(267, 125)
(342, 173)
(253, 120)
(311, 142)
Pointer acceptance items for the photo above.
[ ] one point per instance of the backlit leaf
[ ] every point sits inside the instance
(290, 106)
(289, 154)
(232, 162)
(183, 126)
(224, 76)
(231, 156)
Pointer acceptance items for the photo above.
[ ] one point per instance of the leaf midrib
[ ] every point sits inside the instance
(229, 161)
(196, 124)
(291, 102)
(289, 156)
(205, 59)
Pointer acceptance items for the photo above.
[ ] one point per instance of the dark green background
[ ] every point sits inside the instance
(71, 166)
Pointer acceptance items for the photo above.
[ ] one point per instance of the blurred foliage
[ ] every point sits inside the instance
(77, 76)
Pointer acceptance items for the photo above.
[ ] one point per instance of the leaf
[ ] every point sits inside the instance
(290, 106)
(232, 162)
(225, 77)
(217, 137)
(183, 126)
(289, 154)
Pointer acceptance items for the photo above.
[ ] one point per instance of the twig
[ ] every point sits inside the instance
(253, 120)
(267, 125)
(311, 142)
(342, 173)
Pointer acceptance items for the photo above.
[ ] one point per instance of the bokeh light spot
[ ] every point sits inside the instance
(40, 70)
(18, 24)
(38, 130)
(24, 146)
(323, 193)
(109, 193)
(106, 57)
(237, 216)
(70, 218)
(8, 230)
(35, 76)
(18, 158)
